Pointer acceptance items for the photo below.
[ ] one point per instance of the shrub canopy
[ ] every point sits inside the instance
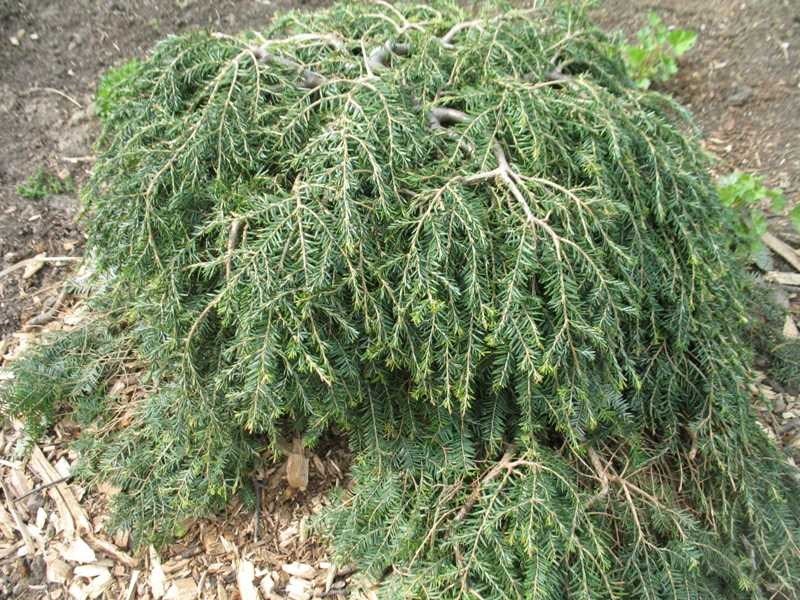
(472, 245)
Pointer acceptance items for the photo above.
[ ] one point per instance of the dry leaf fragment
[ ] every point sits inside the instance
(121, 538)
(320, 466)
(286, 536)
(245, 573)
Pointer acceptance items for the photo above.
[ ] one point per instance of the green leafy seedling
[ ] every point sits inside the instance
(43, 183)
(747, 194)
(655, 57)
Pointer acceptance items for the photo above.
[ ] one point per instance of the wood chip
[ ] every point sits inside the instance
(302, 570)
(297, 471)
(79, 551)
(114, 552)
(783, 278)
(245, 574)
(790, 328)
(6, 523)
(18, 522)
(132, 584)
(73, 517)
(90, 571)
(58, 571)
(34, 265)
(99, 585)
(266, 585)
(298, 589)
(782, 249)
(63, 468)
(19, 482)
(78, 590)
(157, 578)
(182, 589)
(41, 518)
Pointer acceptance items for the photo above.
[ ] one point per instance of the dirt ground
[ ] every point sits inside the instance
(742, 82)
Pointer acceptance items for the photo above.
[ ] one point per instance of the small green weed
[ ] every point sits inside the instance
(655, 57)
(111, 85)
(746, 193)
(43, 183)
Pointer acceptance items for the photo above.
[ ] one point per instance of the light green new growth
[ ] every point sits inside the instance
(472, 245)
(43, 183)
(655, 57)
(746, 192)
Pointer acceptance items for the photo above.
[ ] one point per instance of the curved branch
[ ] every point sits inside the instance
(309, 79)
(379, 57)
(447, 38)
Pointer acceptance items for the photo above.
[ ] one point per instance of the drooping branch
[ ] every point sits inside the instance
(309, 79)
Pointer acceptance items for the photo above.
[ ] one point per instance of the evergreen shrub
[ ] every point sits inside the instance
(470, 244)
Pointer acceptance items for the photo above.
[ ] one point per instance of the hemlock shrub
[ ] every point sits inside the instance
(473, 245)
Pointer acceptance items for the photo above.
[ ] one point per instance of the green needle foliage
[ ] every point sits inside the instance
(472, 245)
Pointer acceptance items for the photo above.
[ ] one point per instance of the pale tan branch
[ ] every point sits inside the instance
(309, 79)
(45, 259)
(504, 464)
(784, 250)
(447, 38)
(234, 237)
